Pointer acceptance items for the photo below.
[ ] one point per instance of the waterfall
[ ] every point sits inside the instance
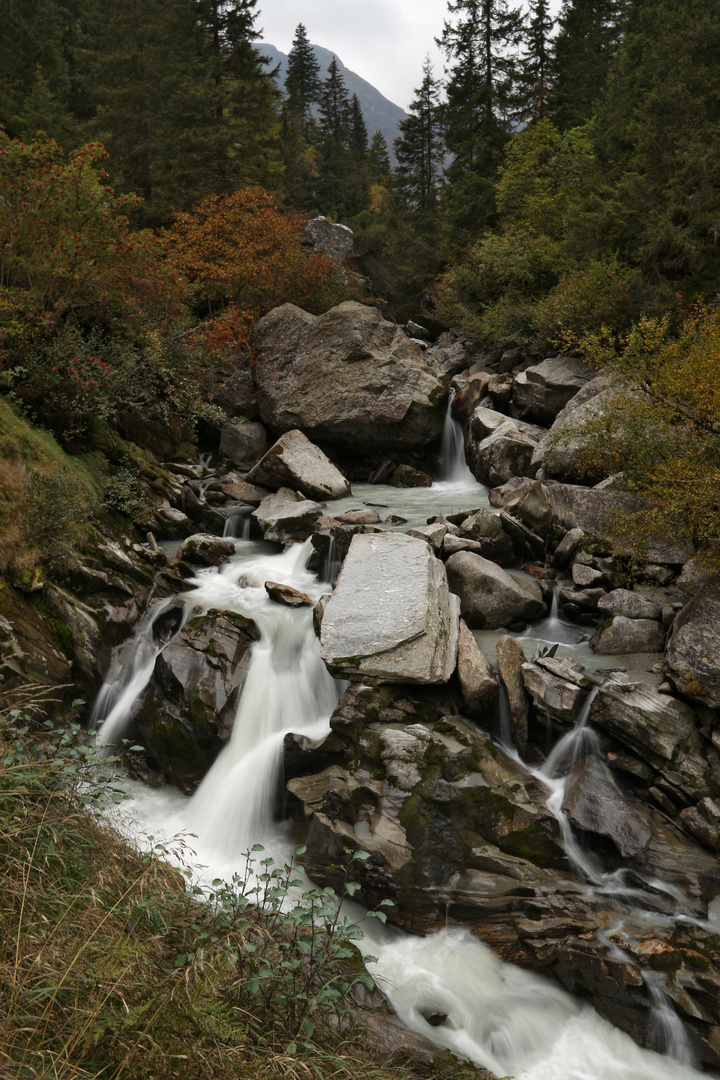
(452, 466)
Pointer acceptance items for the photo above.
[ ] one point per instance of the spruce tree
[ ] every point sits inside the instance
(535, 65)
(378, 158)
(419, 148)
(334, 128)
(480, 45)
(303, 84)
(588, 38)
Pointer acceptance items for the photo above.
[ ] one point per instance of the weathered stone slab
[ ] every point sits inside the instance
(392, 615)
(477, 679)
(652, 724)
(294, 462)
(285, 516)
(594, 803)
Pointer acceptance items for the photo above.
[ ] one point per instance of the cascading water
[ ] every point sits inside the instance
(453, 467)
(499, 1016)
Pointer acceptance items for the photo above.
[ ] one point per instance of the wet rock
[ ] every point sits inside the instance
(477, 679)
(631, 605)
(486, 528)
(203, 549)
(452, 544)
(431, 534)
(319, 611)
(294, 462)
(703, 822)
(241, 491)
(359, 517)
(188, 710)
(567, 547)
(506, 453)
(540, 392)
(557, 688)
(244, 442)
(167, 523)
(623, 636)
(405, 476)
(692, 659)
(285, 516)
(287, 596)
(469, 397)
(348, 377)
(489, 597)
(510, 662)
(595, 804)
(392, 615)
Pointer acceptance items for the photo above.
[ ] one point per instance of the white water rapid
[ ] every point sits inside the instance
(501, 1017)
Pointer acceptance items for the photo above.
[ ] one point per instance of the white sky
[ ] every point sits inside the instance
(384, 41)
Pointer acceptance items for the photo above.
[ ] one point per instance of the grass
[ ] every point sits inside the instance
(110, 966)
(45, 496)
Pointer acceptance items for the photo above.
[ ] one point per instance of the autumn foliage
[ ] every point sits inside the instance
(66, 247)
(242, 249)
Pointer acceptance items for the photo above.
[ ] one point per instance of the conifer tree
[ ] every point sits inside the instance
(535, 65)
(419, 148)
(588, 37)
(303, 84)
(334, 127)
(480, 45)
(378, 158)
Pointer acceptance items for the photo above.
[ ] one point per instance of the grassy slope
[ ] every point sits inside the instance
(89, 935)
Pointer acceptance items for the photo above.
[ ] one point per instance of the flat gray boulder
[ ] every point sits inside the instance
(692, 660)
(489, 597)
(505, 453)
(285, 516)
(392, 616)
(628, 636)
(540, 392)
(348, 377)
(294, 462)
(331, 239)
(632, 605)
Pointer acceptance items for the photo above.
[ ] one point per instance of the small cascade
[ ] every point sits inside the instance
(130, 672)
(452, 466)
(568, 750)
(553, 630)
(332, 562)
(668, 1035)
(237, 526)
(505, 734)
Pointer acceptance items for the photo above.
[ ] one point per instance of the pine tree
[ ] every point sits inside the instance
(419, 148)
(303, 84)
(378, 158)
(480, 46)
(587, 41)
(334, 127)
(534, 86)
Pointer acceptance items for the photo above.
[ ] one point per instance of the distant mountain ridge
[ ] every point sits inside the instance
(379, 113)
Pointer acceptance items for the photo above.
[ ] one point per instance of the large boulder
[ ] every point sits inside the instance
(506, 453)
(540, 392)
(348, 377)
(204, 549)
(692, 660)
(286, 516)
(244, 442)
(294, 462)
(594, 803)
(560, 451)
(510, 661)
(557, 687)
(490, 597)
(622, 636)
(188, 710)
(392, 615)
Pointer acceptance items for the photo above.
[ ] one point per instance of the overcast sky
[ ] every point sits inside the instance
(384, 41)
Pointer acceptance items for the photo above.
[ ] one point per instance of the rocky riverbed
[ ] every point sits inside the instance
(527, 741)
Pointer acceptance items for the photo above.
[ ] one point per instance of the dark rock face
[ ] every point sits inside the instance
(244, 443)
(692, 661)
(189, 707)
(510, 662)
(348, 378)
(457, 830)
